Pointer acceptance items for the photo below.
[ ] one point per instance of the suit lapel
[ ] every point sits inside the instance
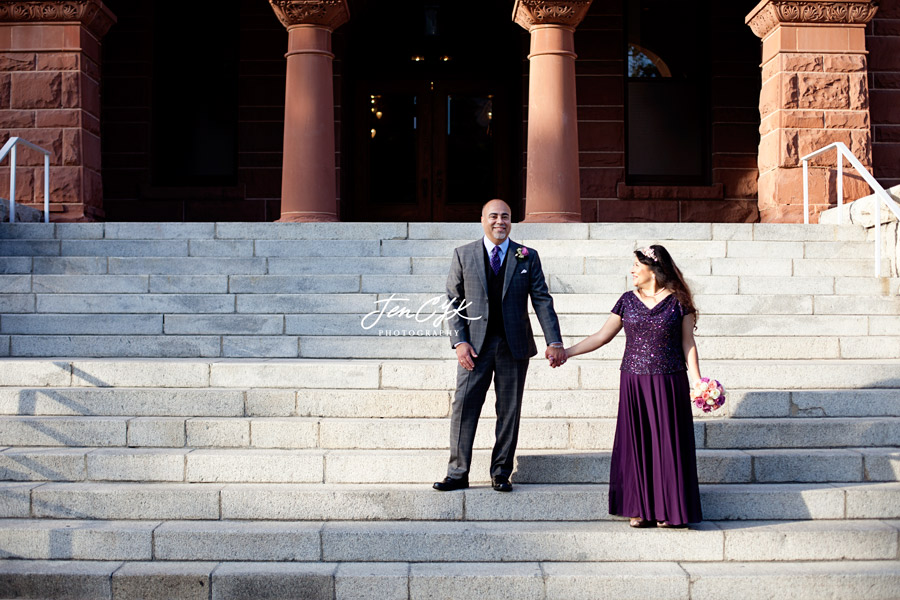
(511, 265)
(478, 256)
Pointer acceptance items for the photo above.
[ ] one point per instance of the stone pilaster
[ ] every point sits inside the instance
(50, 96)
(552, 186)
(814, 92)
(309, 180)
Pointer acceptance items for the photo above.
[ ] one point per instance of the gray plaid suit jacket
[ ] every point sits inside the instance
(524, 279)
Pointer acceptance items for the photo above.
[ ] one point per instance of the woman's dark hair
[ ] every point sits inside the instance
(669, 275)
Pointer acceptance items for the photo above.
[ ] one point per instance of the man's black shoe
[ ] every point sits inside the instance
(501, 483)
(449, 484)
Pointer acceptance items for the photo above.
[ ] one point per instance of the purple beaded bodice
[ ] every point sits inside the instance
(652, 335)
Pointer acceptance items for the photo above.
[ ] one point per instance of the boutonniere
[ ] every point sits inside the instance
(521, 253)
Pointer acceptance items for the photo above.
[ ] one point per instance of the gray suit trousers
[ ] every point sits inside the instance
(494, 362)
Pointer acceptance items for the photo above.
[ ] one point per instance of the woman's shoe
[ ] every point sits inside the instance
(639, 523)
(666, 525)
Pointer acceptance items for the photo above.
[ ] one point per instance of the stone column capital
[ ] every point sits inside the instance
(768, 14)
(329, 14)
(93, 15)
(567, 13)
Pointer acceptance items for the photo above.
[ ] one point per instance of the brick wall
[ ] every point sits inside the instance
(883, 44)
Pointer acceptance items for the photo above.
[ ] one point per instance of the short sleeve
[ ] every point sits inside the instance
(619, 308)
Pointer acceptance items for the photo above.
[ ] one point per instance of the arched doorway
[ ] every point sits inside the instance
(431, 110)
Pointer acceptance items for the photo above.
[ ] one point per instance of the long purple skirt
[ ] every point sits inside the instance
(653, 472)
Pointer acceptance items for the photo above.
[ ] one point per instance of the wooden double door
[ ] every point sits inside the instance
(430, 150)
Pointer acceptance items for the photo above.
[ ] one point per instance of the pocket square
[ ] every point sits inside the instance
(523, 271)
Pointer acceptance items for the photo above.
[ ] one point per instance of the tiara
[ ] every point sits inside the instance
(649, 253)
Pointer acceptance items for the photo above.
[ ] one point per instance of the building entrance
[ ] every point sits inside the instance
(434, 131)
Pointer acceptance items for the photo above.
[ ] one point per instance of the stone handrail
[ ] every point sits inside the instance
(10, 148)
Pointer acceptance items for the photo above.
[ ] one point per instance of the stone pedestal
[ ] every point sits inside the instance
(50, 96)
(552, 187)
(309, 179)
(814, 92)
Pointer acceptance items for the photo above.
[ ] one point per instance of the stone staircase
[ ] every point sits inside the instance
(197, 411)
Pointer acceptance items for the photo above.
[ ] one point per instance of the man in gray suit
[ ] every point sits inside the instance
(489, 285)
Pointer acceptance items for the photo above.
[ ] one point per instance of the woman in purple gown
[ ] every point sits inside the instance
(653, 471)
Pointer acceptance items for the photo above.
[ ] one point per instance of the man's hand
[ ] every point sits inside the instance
(464, 354)
(556, 355)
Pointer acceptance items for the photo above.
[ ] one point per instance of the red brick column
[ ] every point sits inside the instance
(814, 92)
(552, 184)
(50, 96)
(309, 178)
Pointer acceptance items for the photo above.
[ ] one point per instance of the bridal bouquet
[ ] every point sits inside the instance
(708, 394)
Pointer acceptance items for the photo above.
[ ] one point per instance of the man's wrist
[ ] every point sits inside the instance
(556, 345)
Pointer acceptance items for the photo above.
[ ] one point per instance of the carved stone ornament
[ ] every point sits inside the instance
(92, 14)
(770, 13)
(326, 13)
(529, 13)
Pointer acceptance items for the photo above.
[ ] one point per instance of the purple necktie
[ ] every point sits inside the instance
(495, 259)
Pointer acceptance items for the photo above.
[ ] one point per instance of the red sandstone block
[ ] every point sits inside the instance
(885, 106)
(778, 187)
(90, 123)
(57, 118)
(90, 145)
(802, 63)
(57, 61)
(17, 61)
(625, 211)
(36, 90)
(601, 136)
(5, 90)
(48, 139)
(845, 63)
(25, 178)
(824, 91)
(71, 147)
(802, 119)
(779, 149)
(93, 189)
(859, 91)
(70, 93)
(792, 213)
(719, 211)
(16, 118)
(65, 184)
(600, 182)
(847, 119)
(737, 183)
(810, 140)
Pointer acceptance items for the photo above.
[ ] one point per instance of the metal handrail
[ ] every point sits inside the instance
(10, 148)
(880, 193)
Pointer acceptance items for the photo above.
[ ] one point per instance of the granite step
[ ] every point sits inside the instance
(385, 374)
(425, 433)
(423, 466)
(400, 403)
(430, 541)
(191, 580)
(358, 502)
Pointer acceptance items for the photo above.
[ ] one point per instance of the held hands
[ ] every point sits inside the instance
(556, 355)
(464, 354)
